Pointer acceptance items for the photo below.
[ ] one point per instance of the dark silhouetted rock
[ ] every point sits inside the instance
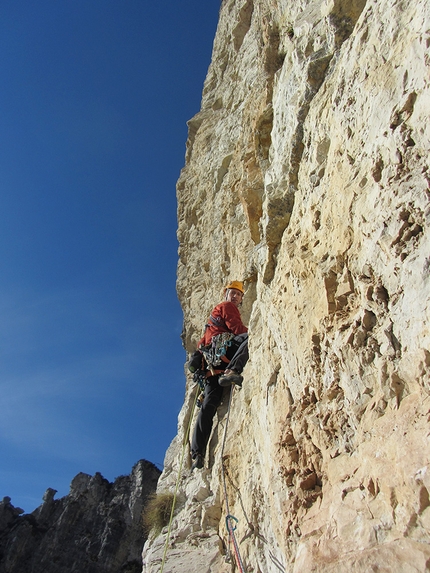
(96, 528)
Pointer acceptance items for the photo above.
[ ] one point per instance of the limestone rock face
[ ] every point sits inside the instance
(307, 175)
(96, 528)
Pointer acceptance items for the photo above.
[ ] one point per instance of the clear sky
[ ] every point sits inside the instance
(94, 99)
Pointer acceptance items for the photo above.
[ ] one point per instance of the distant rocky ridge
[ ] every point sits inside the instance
(96, 528)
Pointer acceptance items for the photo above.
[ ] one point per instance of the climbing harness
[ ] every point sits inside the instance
(230, 518)
(221, 342)
(215, 353)
(184, 446)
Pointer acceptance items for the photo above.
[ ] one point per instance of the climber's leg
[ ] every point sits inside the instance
(203, 427)
(233, 374)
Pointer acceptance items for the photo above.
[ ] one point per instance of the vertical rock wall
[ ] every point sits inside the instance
(307, 174)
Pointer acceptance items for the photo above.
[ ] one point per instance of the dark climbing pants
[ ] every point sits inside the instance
(203, 427)
(238, 355)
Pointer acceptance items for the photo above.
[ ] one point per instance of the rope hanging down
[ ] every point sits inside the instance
(253, 530)
(184, 446)
(230, 518)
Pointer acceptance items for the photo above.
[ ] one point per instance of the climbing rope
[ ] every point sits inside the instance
(230, 518)
(184, 447)
(253, 530)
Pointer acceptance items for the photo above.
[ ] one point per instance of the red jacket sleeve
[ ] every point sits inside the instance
(225, 317)
(231, 316)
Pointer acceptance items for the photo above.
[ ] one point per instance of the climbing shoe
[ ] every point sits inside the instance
(198, 462)
(232, 378)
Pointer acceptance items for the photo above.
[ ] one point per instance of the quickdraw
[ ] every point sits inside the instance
(228, 522)
(215, 353)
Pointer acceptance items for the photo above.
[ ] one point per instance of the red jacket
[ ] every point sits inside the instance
(225, 317)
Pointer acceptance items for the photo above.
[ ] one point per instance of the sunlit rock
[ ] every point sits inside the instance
(307, 175)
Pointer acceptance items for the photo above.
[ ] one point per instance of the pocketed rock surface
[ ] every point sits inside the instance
(307, 175)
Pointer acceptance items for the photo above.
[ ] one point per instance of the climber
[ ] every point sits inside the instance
(221, 356)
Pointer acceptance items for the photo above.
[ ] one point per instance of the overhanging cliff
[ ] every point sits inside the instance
(307, 175)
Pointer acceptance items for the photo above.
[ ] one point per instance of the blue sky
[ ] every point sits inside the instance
(94, 101)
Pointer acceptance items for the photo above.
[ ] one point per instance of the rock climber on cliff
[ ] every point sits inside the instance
(220, 358)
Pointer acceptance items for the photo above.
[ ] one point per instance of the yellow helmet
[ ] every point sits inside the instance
(238, 285)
